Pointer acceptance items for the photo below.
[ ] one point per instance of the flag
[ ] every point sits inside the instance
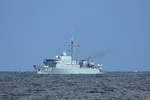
(77, 46)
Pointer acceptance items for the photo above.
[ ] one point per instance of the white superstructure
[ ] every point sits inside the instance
(65, 64)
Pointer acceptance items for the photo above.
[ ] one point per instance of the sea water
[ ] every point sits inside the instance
(109, 86)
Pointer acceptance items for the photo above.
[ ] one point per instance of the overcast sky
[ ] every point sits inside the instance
(32, 30)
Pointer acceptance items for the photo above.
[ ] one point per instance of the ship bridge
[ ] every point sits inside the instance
(63, 60)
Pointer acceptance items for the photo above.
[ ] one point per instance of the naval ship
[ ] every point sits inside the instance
(66, 64)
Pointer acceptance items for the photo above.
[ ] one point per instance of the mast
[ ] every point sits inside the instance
(72, 49)
(73, 45)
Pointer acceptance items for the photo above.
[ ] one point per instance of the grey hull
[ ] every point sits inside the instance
(50, 70)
